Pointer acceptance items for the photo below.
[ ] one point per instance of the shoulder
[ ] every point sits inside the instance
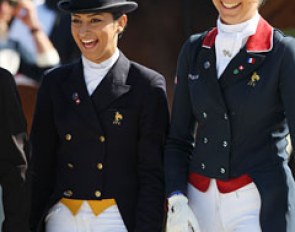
(61, 70)
(146, 76)
(190, 47)
(284, 41)
(60, 73)
(194, 41)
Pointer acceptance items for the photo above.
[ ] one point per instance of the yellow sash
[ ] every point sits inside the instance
(97, 206)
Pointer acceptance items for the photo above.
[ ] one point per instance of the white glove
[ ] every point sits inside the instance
(180, 217)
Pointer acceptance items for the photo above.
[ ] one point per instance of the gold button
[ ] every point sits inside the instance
(70, 165)
(99, 166)
(97, 193)
(102, 139)
(68, 193)
(68, 137)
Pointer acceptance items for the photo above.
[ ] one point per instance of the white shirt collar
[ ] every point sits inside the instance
(106, 64)
(94, 73)
(230, 39)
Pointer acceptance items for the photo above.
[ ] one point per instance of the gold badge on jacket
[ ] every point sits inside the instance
(117, 118)
(254, 79)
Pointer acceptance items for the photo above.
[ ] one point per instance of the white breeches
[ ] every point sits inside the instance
(237, 211)
(60, 219)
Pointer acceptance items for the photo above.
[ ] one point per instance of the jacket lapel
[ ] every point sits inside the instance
(113, 85)
(206, 63)
(76, 93)
(241, 67)
(249, 59)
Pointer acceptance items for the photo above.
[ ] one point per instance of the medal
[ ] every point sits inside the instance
(254, 78)
(117, 118)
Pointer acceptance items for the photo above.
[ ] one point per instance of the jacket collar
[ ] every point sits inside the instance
(261, 41)
(112, 87)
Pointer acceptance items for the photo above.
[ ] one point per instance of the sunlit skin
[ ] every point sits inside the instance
(96, 34)
(236, 11)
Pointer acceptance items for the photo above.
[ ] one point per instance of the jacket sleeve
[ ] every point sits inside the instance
(43, 140)
(14, 155)
(180, 140)
(14, 115)
(152, 131)
(287, 83)
(13, 123)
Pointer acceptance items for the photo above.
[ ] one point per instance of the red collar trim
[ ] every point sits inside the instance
(261, 41)
(209, 39)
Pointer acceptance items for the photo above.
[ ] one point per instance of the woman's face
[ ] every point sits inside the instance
(96, 34)
(236, 11)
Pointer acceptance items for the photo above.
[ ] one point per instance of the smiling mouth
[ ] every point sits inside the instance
(230, 5)
(89, 43)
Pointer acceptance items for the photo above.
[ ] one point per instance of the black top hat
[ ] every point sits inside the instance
(88, 6)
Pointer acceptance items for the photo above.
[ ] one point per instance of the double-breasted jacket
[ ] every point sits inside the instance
(107, 145)
(238, 124)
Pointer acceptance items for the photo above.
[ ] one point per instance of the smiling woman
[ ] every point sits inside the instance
(226, 158)
(97, 34)
(237, 11)
(98, 132)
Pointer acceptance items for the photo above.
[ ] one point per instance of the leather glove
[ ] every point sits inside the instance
(180, 217)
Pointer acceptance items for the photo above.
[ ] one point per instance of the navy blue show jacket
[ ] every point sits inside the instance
(238, 124)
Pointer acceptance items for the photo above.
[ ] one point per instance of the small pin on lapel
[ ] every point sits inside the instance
(207, 65)
(254, 79)
(76, 98)
(117, 118)
(251, 60)
(241, 68)
(236, 71)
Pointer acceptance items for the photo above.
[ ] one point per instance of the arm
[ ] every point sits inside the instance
(287, 82)
(180, 142)
(14, 156)
(14, 115)
(181, 135)
(14, 123)
(46, 53)
(152, 130)
(44, 143)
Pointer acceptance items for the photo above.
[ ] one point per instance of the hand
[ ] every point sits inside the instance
(180, 217)
(27, 13)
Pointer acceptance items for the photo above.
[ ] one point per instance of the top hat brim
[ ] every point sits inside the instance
(124, 7)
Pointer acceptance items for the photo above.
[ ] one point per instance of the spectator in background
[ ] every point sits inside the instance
(55, 24)
(13, 55)
(13, 157)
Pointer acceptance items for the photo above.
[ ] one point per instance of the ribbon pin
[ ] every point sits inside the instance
(76, 98)
(117, 118)
(254, 78)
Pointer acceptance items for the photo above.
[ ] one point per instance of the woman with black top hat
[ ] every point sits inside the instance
(98, 133)
(226, 160)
